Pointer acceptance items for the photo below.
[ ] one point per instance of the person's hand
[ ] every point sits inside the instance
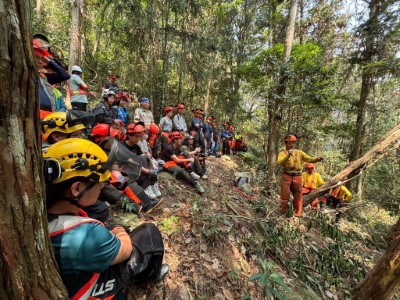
(291, 152)
(152, 172)
(197, 150)
(191, 160)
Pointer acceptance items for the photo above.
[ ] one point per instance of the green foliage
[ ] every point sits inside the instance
(170, 225)
(272, 282)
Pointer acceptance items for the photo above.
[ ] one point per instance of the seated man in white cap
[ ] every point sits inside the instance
(78, 90)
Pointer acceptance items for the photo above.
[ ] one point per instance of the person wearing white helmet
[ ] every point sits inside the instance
(78, 90)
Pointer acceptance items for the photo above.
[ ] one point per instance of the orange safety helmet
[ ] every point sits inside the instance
(101, 131)
(153, 128)
(310, 165)
(290, 138)
(168, 109)
(135, 128)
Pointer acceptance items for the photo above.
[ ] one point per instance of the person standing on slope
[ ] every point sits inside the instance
(292, 160)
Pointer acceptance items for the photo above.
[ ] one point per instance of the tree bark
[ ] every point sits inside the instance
(26, 260)
(355, 167)
(75, 37)
(383, 281)
(277, 98)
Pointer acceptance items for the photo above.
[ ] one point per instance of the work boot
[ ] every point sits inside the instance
(149, 192)
(204, 176)
(163, 273)
(194, 176)
(156, 189)
(199, 188)
(152, 205)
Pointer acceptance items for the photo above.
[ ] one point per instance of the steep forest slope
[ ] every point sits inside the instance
(218, 241)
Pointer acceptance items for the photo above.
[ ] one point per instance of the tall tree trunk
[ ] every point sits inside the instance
(75, 37)
(366, 86)
(27, 266)
(39, 6)
(277, 97)
(383, 281)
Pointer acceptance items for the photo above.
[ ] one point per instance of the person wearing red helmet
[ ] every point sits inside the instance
(292, 160)
(173, 159)
(312, 180)
(50, 72)
(179, 120)
(111, 84)
(148, 177)
(165, 126)
(138, 198)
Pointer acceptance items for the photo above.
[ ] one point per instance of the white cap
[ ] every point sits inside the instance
(77, 69)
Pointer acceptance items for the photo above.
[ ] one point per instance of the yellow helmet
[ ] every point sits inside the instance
(57, 122)
(75, 158)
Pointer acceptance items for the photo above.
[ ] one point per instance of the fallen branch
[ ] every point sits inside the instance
(354, 168)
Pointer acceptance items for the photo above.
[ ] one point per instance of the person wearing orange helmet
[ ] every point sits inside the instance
(173, 159)
(148, 177)
(292, 160)
(137, 196)
(179, 119)
(312, 180)
(165, 126)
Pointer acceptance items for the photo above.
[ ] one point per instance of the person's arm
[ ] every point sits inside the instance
(60, 74)
(161, 125)
(305, 157)
(181, 160)
(125, 249)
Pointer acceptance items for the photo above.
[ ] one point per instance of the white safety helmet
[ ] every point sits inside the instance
(106, 93)
(77, 69)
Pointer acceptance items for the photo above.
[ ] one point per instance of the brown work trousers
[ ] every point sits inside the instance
(291, 184)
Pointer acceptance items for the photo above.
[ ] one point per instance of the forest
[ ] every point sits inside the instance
(326, 70)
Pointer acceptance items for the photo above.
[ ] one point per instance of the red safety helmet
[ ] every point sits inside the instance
(136, 128)
(180, 106)
(290, 138)
(175, 135)
(153, 128)
(209, 118)
(225, 124)
(214, 124)
(168, 109)
(113, 76)
(310, 165)
(101, 131)
(231, 127)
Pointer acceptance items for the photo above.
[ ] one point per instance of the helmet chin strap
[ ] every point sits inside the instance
(75, 200)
